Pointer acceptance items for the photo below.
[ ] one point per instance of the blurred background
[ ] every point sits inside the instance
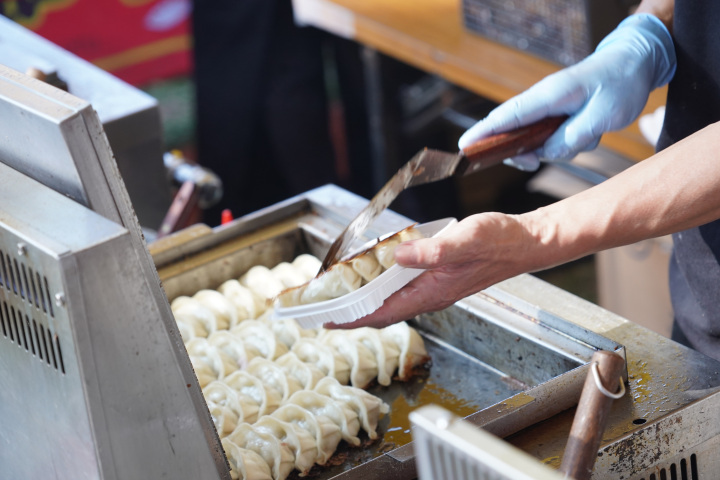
(270, 109)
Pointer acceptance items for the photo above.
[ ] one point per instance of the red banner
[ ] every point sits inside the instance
(139, 41)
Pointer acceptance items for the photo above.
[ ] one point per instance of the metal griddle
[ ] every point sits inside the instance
(484, 351)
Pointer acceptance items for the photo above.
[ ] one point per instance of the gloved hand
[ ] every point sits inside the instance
(605, 91)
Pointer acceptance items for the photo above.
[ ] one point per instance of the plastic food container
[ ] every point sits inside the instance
(367, 298)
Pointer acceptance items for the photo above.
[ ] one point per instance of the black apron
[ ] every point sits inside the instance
(693, 103)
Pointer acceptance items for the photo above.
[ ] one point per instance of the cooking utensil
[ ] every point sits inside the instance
(432, 165)
(591, 414)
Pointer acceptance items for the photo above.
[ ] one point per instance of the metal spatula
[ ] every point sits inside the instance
(431, 165)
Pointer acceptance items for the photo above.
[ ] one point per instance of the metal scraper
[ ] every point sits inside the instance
(432, 165)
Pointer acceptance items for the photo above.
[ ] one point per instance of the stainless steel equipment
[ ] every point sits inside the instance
(130, 117)
(96, 382)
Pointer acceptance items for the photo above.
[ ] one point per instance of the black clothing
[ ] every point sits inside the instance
(262, 111)
(693, 103)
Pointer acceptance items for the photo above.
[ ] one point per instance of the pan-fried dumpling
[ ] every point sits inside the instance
(198, 313)
(329, 361)
(363, 365)
(265, 397)
(411, 345)
(340, 414)
(366, 265)
(273, 375)
(366, 406)
(259, 335)
(385, 251)
(247, 304)
(308, 265)
(307, 374)
(386, 352)
(326, 433)
(410, 233)
(292, 297)
(189, 328)
(245, 464)
(278, 456)
(337, 281)
(244, 407)
(288, 275)
(301, 443)
(234, 351)
(224, 418)
(288, 331)
(262, 282)
(206, 361)
(224, 310)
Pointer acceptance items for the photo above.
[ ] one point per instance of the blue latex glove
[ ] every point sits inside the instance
(606, 91)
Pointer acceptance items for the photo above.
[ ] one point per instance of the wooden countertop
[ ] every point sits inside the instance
(429, 34)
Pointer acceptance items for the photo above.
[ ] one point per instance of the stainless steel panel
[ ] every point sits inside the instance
(94, 384)
(130, 117)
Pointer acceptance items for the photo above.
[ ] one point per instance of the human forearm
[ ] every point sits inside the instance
(674, 190)
(663, 9)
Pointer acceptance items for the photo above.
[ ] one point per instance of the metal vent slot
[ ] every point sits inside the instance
(31, 335)
(22, 280)
(675, 472)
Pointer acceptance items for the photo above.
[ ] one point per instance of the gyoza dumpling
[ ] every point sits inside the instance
(337, 281)
(410, 233)
(292, 297)
(411, 345)
(288, 275)
(262, 282)
(261, 337)
(189, 327)
(273, 375)
(340, 414)
(224, 310)
(363, 365)
(326, 358)
(288, 331)
(386, 351)
(279, 457)
(301, 442)
(222, 360)
(326, 433)
(197, 312)
(235, 353)
(308, 265)
(366, 265)
(367, 407)
(265, 397)
(224, 418)
(385, 249)
(245, 464)
(206, 361)
(247, 304)
(244, 407)
(307, 374)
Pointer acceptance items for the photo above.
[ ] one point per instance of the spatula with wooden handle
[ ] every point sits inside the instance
(432, 165)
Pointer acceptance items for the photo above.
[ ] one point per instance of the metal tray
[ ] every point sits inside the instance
(492, 355)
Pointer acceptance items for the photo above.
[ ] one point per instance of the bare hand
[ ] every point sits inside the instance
(472, 255)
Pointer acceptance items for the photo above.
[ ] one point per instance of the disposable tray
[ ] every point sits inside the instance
(367, 298)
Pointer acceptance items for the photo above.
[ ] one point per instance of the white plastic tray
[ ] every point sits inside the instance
(367, 298)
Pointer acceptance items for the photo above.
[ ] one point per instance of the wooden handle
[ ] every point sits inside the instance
(180, 210)
(493, 150)
(591, 416)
